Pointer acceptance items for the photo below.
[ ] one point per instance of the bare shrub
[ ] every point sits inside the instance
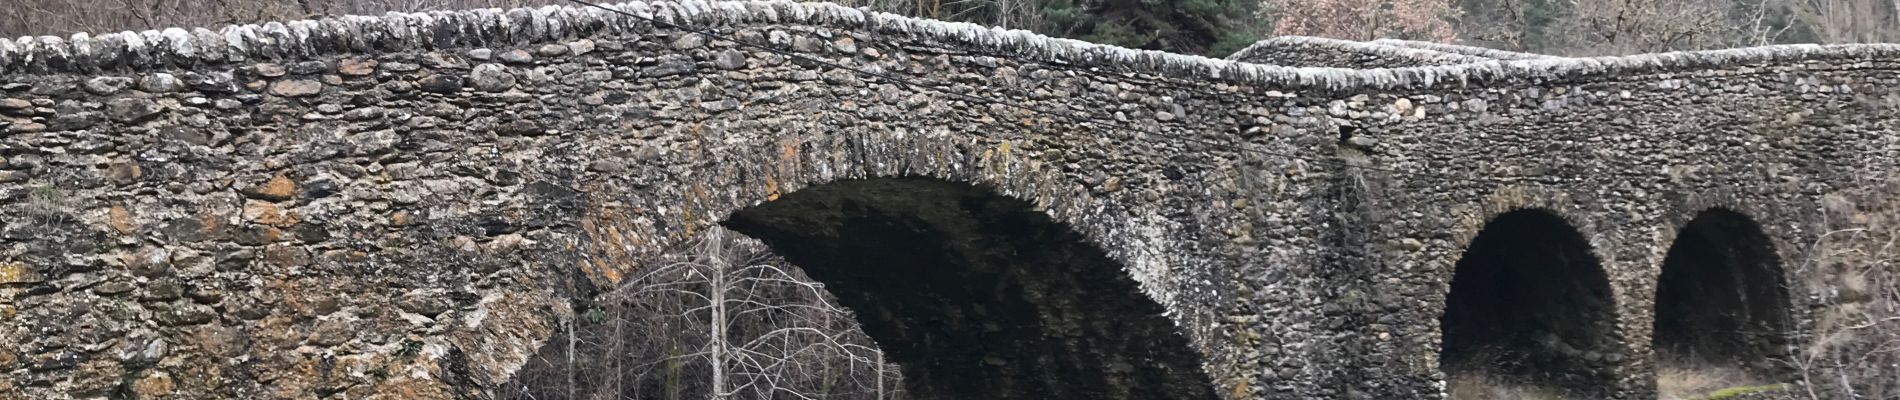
(1608, 27)
(1684, 379)
(1480, 386)
(1363, 19)
(1847, 21)
(1853, 270)
(724, 320)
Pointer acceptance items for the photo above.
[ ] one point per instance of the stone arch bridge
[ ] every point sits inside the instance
(402, 206)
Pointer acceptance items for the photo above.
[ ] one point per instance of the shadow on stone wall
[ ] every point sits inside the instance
(1529, 305)
(980, 296)
(1721, 299)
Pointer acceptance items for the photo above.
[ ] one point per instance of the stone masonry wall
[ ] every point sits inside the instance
(401, 206)
(1318, 52)
(1488, 53)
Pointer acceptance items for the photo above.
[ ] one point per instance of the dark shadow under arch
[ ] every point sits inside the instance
(1529, 305)
(980, 296)
(1721, 298)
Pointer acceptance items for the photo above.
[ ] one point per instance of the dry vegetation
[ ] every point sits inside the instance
(1690, 380)
(1478, 386)
(1853, 346)
(725, 321)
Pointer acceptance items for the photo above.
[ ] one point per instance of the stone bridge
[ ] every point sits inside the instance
(405, 206)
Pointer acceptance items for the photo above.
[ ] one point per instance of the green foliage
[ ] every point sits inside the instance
(48, 194)
(1734, 392)
(1232, 42)
(595, 316)
(1182, 26)
(410, 348)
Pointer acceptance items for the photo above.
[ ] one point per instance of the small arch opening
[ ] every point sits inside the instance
(1530, 310)
(977, 295)
(1722, 313)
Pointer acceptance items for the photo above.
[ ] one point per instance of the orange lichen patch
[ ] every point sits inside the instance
(268, 214)
(611, 243)
(152, 384)
(120, 219)
(300, 378)
(210, 225)
(278, 188)
(788, 157)
(771, 188)
(401, 218)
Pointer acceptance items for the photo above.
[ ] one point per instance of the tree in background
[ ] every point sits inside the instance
(1208, 27)
(1853, 274)
(1429, 20)
(1844, 21)
(1515, 25)
(1608, 27)
(1211, 27)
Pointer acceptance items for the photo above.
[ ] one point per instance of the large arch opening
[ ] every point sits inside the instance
(1530, 310)
(977, 295)
(1721, 307)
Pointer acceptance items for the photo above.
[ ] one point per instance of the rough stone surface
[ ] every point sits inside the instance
(1494, 54)
(107, 85)
(161, 83)
(492, 78)
(517, 56)
(1303, 51)
(296, 87)
(1313, 265)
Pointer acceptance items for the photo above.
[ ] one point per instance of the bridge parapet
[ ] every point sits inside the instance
(407, 204)
(1319, 52)
(397, 32)
(1484, 52)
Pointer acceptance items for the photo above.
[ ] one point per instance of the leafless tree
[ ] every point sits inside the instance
(1853, 347)
(1608, 27)
(722, 319)
(1848, 21)
(1362, 19)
